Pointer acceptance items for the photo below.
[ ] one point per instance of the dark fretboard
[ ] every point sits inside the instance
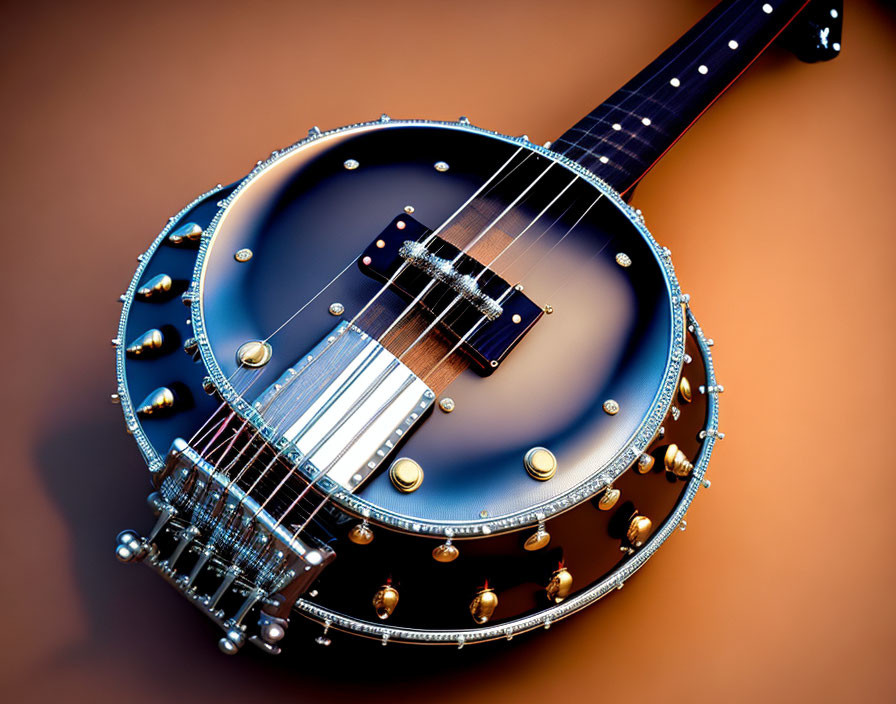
(626, 135)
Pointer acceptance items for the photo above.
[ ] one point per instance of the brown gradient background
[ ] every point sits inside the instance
(776, 207)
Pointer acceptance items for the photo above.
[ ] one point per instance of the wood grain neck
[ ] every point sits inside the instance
(625, 136)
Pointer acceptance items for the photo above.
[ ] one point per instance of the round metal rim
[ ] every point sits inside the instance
(624, 459)
(545, 618)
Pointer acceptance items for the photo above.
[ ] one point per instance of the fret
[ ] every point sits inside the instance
(618, 146)
(622, 138)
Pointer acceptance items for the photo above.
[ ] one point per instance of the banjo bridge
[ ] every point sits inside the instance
(473, 304)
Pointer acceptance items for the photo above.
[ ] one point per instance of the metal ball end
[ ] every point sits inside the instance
(227, 646)
(129, 546)
(272, 632)
(156, 503)
(127, 537)
(231, 642)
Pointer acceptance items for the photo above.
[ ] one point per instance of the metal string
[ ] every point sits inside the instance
(348, 327)
(323, 472)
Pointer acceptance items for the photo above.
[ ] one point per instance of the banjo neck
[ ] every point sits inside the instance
(623, 137)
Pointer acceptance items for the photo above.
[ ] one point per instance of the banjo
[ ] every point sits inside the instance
(435, 384)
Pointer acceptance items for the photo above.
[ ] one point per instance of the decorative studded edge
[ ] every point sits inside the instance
(624, 459)
(544, 619)
(150, 455)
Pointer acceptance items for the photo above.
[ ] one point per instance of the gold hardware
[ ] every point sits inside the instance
(409, 209)
(540, 463)
(638, 530)
(611, 407)
(441, 166)
(483, 513)
(189, 234)
(254, 354)
(154, 288)
(548, 309)
(677, 462)
(160, 400)
(684, 390)
(447, 404)
(406, 475)
(517, 318)
(361, 533)
(148, 342)
(560, 585)
(385, 601)
(623, 260)
(644, 464)
(608, 499)
(446, 552)
(484, 605)
(243, 255)
(538, 540)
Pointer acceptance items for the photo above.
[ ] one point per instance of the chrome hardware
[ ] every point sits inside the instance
(440, 269)
(336, 308)
(373, 401)
(441, 166)
(252, 555)
(447, 404)
(623, 260)
(323, 639)
(243, 255)
(191, 347)
(611, 407)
